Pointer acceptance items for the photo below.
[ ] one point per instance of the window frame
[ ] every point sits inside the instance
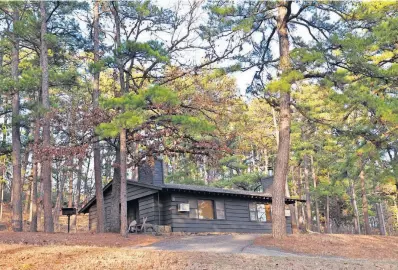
(194, 204)
(256, 212)
(223, 209)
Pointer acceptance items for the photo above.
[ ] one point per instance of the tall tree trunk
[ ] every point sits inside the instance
(123, 138)
(1, 200)
(97, 154)
(85, 187)
(300, 194)
(70, 187)
(26, 179)
(380, 216)
(307, 195)
(364, 203)
(328, 227)
(355, 207)
(314, 178)
(46, 164)
(78, 192)
(33, 197)
(282, 159)
(123, 183)
(16, 221)
(115, 204)
(60, 200)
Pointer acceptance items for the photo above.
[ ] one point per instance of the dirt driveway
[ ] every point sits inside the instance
(239, 243)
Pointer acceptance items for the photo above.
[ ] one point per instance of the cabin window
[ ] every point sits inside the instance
(220, 210)
(193, 208)
(260, 212)
(205, 209)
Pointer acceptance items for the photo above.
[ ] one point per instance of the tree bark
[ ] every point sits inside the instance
(40, 192)
(364, 203)
(123, 183)
(46, 164)
(60, 200)
(70, 188)
(85, 187)
(328, 227)
(123, 139)
(78, 192)
(380, 217)
(17, 219)
(300, 194)
(115, 204)
(355, 207)
(1, 200)
(282, 160)
(33, 197)
(97, 154)
(314, 178)
(26, 180)
(308, 213)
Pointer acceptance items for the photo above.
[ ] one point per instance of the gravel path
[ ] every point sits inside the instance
(242, 243)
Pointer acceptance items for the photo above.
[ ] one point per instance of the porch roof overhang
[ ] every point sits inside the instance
(87, 206)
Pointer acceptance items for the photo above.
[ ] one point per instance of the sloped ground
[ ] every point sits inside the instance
(77, 239)
(340, 245)
(111, 251)
(78, 257)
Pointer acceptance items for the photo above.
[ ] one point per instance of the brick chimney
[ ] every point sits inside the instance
(267, 182)
(151, 172)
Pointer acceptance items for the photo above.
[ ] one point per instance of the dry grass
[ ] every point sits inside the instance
(341, 245)
(79, 257)
(77, 239)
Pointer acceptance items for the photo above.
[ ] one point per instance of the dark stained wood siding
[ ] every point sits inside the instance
(133, 192)
(157, 209)
(92, 218)
(165, 208)
(237, 217)
(147, 209)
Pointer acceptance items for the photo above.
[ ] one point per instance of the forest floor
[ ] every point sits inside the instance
(111, 251)
(339, 245)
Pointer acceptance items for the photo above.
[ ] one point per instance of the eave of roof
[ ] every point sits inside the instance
(85, 208)
(197, 189)
(224, 192)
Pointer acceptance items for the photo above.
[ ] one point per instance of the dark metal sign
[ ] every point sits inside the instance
(68, 211)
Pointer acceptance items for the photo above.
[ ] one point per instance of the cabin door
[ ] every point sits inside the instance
(132, 211)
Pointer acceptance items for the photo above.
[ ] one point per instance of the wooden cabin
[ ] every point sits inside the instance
(189, 208)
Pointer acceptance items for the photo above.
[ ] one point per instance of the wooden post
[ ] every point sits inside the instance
(68, 223)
